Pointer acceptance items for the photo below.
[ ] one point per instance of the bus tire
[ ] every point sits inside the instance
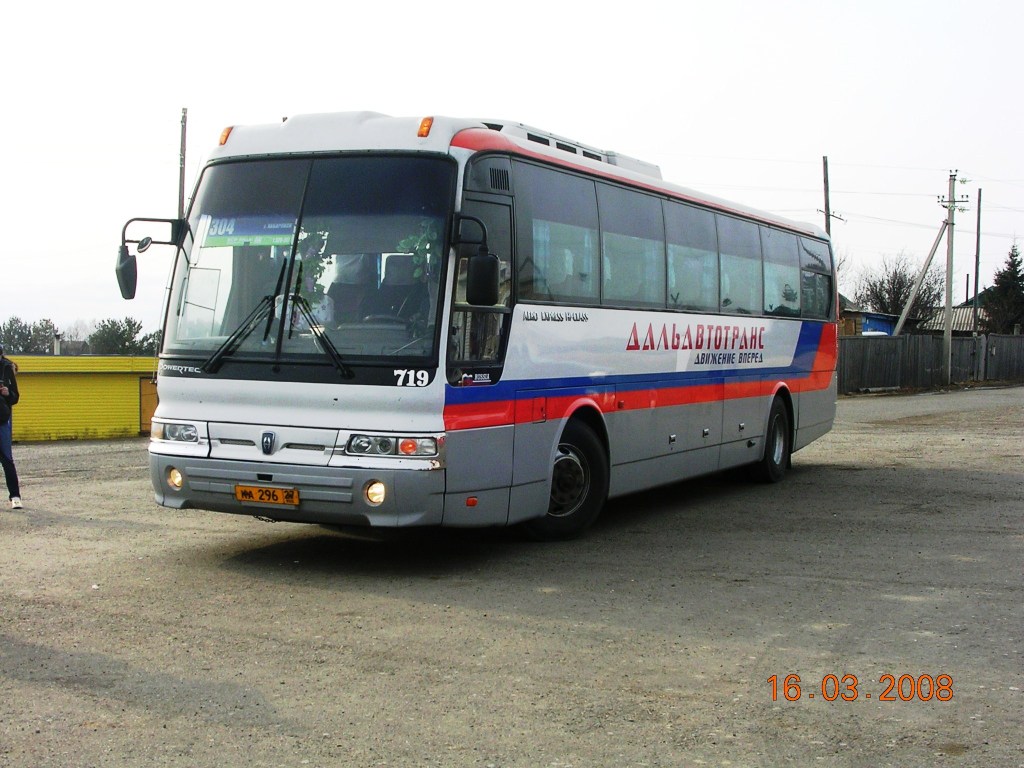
(777, 445)
(579, 486)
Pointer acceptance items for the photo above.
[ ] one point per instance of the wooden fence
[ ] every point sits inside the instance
(915, 361)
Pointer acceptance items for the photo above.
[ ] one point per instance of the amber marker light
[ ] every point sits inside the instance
(225, 133)
(425, 125)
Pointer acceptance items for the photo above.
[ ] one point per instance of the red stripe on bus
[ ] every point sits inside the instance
(478, 415)
(824, 365)
(526, 410)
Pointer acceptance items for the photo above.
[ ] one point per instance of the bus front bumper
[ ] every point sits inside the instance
(325, 495)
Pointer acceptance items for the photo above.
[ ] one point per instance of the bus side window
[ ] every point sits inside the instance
(692, 258)
(816, 279)
(633, 242)
(561, 273)
(557, 257)
(740, 260)
(781, 273)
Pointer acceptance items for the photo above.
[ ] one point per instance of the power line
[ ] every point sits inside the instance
(882, 194)
(792, 161)
(891, 221)
(985, 233)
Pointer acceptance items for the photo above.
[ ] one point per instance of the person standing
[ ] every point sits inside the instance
(9, 394)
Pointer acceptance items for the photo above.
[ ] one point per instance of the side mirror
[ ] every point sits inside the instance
(482, 278)
(127, 268)
(127, 272)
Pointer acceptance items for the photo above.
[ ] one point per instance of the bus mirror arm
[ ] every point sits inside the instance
(459, 236)
(126, 268)
(483, 271)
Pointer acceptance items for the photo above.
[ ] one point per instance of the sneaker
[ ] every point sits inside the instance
(16, 503)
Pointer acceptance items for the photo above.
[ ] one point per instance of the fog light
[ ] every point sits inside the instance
(375, 493)
(175, 479)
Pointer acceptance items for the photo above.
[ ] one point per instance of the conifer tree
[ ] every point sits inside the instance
(1004, 301)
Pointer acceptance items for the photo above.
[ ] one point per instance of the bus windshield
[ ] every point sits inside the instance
(293, 258)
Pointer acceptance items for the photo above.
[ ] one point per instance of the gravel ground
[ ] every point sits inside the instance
(136, 636)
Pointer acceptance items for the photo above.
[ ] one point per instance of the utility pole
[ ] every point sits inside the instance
(950, 204)
(828, 207)
(181, 168)
(977, 263)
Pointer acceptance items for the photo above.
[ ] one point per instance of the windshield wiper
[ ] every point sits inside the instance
(214, 361)
(265, 307)
(332, 351)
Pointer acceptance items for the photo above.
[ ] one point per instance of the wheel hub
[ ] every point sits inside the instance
(569, 483)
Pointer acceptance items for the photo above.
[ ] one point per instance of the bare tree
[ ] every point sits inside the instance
(843, 263)
(78, 330)
(887, 288)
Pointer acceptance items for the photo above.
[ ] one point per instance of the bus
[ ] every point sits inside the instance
(381, 321)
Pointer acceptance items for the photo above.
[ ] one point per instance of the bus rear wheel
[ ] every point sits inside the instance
(777, 448)
(579, 485)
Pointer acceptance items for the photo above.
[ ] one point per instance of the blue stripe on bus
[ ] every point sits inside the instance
(803, 362)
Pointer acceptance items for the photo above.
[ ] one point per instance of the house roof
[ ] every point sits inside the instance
(981, 298)
(963, 320)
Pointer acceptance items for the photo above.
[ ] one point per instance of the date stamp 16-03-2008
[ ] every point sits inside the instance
(849, 688)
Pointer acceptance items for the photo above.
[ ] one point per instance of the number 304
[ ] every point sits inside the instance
(409, 377)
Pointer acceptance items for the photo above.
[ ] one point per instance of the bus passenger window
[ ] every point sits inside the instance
(740, 259)
(816, 279)
(692, 258)
(781, 273)
(633, 245)
(562, 254)
(558, 236)
(635, 272)
(560, 272)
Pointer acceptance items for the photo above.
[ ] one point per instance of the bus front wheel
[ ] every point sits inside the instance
(579, 485)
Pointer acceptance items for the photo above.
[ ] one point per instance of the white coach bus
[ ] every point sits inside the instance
(397, 322)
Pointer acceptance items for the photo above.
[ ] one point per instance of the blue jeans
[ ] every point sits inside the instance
(7, 460)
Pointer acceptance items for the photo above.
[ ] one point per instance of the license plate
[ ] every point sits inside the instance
(255, 494)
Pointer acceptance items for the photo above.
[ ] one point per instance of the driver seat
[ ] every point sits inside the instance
(401, 292)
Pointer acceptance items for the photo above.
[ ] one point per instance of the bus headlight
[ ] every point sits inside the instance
(176, 433)
(389, 445)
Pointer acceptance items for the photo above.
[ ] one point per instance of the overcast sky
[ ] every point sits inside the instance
(738, 99)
